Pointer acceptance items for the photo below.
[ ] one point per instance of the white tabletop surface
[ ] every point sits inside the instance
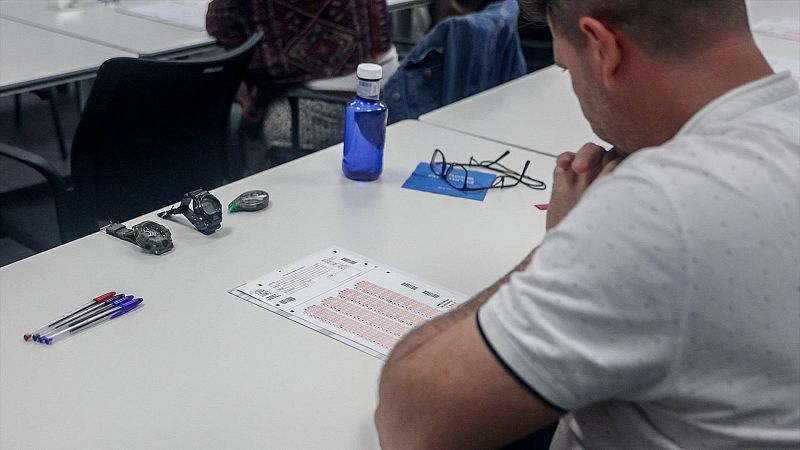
(197, 367)
(31, 55)
(101, 24)
(777, 47)
(537, 112)
(774, 11)
(758, 10)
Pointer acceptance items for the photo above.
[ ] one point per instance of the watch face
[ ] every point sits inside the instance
(152, 229)
(210, 205)
(153, 237)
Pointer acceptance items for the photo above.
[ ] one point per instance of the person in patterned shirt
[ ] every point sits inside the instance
(303, 41)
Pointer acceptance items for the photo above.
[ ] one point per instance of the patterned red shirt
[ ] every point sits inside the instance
(304, 39)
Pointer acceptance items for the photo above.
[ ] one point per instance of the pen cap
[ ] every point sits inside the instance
(127, 306)
(122, 301)
(104, 297)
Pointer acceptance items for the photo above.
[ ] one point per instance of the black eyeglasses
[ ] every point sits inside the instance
(458, 176)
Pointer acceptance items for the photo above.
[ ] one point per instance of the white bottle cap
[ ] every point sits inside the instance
(369, 71)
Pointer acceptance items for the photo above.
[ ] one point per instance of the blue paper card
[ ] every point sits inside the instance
(424, 180)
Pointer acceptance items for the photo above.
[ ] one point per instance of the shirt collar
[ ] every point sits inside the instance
(745, 98)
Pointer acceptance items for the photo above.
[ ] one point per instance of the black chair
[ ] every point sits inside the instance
(49, 94)
(150, 131)
(26, 213)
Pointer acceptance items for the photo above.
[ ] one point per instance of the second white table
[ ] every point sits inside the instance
(33, 58)
(536, 112)
(103, 25)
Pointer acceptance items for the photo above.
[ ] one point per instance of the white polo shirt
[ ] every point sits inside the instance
(664, 311)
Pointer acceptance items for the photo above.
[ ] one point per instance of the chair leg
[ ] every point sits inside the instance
(235, 145)
(79, 97)
(18, 110)
(403, 22)
(295, 109)
(57, 123)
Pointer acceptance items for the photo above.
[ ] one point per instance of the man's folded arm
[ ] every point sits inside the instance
(443, 387)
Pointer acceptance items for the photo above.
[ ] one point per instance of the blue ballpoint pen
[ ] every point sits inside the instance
(113, 302)
(71, 315)
(76, 317)
(124, 306)
(99, 308)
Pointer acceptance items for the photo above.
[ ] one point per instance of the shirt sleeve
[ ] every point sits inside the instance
(598, 313)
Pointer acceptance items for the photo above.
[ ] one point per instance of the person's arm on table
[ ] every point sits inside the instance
(423, 333)
(442, 386)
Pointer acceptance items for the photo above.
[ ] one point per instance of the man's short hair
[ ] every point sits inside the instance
(659, 26)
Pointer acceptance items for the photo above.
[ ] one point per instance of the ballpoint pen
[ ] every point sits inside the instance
(34, 334)
(123, 306)
(87, 311)
(97, 309)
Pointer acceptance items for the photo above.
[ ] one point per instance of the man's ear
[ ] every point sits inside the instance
(603, 47)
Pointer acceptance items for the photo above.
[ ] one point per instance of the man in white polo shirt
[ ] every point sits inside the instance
(662, 309)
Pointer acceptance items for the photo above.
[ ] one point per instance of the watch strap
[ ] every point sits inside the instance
(120, 231)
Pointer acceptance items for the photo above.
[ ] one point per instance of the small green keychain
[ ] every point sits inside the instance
(249, 201)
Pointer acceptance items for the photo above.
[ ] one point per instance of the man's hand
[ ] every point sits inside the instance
(573, 174)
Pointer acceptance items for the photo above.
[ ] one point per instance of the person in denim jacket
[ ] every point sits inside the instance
(442, 9)
(461, 56)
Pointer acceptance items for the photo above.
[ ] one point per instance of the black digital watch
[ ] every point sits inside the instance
(205, 212)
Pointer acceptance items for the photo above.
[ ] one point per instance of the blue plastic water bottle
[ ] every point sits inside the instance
(365, 127)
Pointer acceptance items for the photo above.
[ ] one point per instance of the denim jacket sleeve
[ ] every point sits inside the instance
(461, 56)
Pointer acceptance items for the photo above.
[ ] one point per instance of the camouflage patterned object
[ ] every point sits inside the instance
(151, 236)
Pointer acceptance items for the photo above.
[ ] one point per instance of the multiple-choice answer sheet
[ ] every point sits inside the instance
(350, 298)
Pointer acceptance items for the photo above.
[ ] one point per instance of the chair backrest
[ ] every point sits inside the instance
(151, 131)
(459, 57)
